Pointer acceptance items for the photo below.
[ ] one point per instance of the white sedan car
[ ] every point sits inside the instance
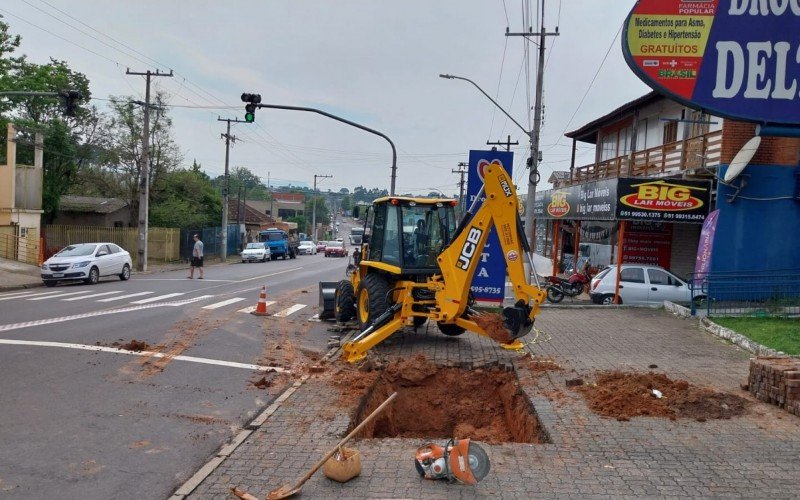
(87, 262)
(256, 252)
(307, 248)
(640, 285)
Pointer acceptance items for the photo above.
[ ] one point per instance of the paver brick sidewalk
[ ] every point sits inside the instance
(756, 455)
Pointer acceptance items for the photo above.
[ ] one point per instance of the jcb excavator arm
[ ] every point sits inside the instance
(458, 263)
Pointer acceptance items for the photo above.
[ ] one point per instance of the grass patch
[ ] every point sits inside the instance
(782, 334)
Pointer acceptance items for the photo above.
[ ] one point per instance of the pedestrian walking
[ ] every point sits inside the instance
(197, 257)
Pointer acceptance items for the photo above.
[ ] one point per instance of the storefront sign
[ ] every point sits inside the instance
(490, 277)
(634, 198)
(664, 200)
(734, 58)
(648, 243)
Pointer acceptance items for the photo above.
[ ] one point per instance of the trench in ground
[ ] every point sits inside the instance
(485, 405)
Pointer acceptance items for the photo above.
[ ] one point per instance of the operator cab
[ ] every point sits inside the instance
(410, 233)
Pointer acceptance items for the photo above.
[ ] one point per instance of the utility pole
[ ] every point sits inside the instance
(533, 176)
(228, 140)
(144, 170)
(314, 207)
(462, 171)
(507, 143)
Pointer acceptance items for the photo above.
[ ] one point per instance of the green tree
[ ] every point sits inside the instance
(185, 198)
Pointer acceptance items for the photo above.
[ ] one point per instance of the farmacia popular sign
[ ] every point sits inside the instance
(734, 58)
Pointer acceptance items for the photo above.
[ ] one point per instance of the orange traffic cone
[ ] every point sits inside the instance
(261, 307)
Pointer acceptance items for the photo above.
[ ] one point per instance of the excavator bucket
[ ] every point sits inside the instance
(517, 320)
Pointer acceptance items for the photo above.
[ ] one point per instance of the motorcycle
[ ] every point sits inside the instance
(571, 287)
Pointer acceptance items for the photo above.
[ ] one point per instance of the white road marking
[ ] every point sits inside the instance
(157, 298)
(125, 296)
(50, 321)
(15, 295)
(182, 279)
(60, 295)
(224, 303)
(114, 350)
(253, 308)
(289, 310)
(25, 295)
(82, 297)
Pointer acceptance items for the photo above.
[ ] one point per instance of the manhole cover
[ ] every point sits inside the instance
(437, 402)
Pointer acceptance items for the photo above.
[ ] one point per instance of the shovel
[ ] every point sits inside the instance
(286, 491)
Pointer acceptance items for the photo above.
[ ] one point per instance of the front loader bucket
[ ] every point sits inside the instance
(517, 320)
(327, 296)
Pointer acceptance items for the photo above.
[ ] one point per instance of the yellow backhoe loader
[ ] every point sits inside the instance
(416, 264)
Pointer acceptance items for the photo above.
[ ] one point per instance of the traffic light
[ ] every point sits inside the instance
(69, 99)
(250, 108)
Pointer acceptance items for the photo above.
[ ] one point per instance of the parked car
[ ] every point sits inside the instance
(640, 285)
(307, 248)
(87, 262)
(335, 249)
(255, 252)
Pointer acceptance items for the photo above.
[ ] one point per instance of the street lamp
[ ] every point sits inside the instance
(533, 177)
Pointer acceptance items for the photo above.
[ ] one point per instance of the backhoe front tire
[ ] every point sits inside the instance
(372, 299)
(344, 302)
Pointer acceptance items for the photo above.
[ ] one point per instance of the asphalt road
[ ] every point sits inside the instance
(78, 423)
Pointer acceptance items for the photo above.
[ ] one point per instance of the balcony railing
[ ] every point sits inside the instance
(679, 156)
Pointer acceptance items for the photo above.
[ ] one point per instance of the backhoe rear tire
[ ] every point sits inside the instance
(344, 302)
(372, 299)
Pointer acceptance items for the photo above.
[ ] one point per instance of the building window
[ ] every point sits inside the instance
(670, 132)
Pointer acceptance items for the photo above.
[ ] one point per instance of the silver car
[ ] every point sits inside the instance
(256, 252)
(87, 262)
(640, 285)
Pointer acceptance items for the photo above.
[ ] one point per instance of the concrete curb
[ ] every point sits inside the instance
(738, 339)
(10, 288)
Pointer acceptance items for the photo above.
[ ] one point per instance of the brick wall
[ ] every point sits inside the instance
(783, 151)
(685, 238)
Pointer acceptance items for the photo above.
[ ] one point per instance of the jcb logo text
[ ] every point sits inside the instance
(469, 248)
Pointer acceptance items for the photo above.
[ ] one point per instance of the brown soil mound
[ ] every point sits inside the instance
(493, 325)
(483, 404)
(624, 395)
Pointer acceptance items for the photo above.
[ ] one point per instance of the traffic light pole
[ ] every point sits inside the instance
(223, 253)
(348, 122)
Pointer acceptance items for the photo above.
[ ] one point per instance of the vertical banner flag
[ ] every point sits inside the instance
(489, 282)
(703, 263)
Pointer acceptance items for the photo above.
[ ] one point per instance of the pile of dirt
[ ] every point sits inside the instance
(624, 395)
(433, 402)
(133, 345)
(493, 325)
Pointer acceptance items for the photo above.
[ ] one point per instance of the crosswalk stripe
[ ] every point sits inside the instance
(18, 295)
(289, 310)
(121, 297)
(154, 299)
(82, 297)
(58, 296)
(224, 303)
(250, 309)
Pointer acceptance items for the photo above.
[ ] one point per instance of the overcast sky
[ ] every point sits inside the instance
(372, 62)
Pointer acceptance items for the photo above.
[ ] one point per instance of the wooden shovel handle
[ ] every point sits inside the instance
(346, 439)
